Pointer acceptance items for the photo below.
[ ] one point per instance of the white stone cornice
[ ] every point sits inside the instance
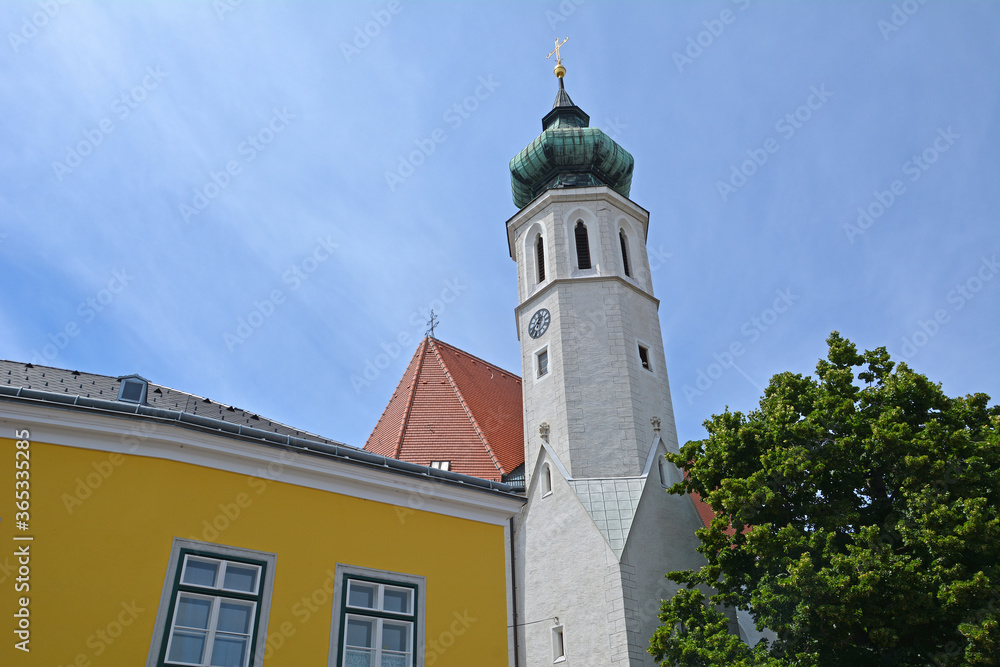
(550, 285)
(164, 439)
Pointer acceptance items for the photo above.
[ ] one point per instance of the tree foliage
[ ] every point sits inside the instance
(856, 518)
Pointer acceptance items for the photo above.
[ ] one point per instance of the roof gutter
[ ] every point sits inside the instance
(341, 452)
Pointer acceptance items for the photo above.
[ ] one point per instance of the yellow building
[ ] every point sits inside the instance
(159, 528)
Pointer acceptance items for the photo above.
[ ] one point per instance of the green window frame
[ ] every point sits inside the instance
(378, 619)
(213, 610)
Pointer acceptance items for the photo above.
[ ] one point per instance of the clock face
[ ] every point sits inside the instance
(539, 323)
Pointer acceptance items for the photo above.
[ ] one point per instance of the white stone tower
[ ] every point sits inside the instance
(598, 532)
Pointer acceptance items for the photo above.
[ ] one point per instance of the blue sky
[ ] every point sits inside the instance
(170, 170)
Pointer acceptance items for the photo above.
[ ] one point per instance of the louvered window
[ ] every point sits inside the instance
(540, 254)
(621, 237)
(582, 246)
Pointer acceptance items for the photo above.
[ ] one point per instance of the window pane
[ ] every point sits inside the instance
(390, 660)
(355, 658)
(361, 595)
(131, 390)
(360, 633)
(187, 646)
(396, 600)
(229, 651)
(192, 612)
(240, 578)
(396, 636)
(235, 617)
(200, 572)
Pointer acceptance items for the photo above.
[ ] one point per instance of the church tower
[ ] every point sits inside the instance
(598, 531)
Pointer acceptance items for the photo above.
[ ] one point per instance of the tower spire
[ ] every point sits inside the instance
(559, 70)
(569, 153)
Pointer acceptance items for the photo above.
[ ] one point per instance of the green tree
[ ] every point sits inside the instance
(857, 517)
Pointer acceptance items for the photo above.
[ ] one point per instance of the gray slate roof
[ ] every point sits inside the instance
(86, 391)
(88, 385)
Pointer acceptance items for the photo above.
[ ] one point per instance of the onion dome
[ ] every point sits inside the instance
(569, 154)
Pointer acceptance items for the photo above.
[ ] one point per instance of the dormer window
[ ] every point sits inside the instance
(441, 465)
(132, 389)
(582, 246)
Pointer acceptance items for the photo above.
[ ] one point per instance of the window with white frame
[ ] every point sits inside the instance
(441, 465)
(546, 480)
(542, 363)
(558, 644)
(214, 606)
(377, 619)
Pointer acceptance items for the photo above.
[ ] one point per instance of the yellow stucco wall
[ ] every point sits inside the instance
(99, 563)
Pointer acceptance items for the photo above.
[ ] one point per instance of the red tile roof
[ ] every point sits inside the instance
(452, 406)
(704, 510)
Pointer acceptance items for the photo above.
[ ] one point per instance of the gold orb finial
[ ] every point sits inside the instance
(559, 70)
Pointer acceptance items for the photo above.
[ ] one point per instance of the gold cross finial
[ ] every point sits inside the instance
(559, 70)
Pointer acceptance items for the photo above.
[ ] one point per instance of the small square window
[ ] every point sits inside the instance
(441, 465)
(543, 362)
(132, 390)
(644, 358)
(362, 595)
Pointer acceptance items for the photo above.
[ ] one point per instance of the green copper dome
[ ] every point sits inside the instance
(569, 154)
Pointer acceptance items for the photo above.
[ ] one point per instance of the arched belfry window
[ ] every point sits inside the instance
(540, 256)
(624, 242)
(582, 246)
